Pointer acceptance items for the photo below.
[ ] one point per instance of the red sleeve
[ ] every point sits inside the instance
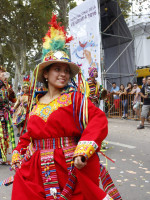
(23, 142)
(94, 133)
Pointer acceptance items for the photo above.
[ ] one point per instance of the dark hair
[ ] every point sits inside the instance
(147, 77)
(135, 83)
(130, 84)
(44, 79)
(121, 85)
(113, 83)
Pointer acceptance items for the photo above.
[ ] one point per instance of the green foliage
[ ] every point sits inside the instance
(125, 7)
(23, 24)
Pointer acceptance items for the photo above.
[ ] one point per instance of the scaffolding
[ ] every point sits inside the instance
(117, 44)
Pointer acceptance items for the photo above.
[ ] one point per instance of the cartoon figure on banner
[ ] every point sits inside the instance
(85, 54)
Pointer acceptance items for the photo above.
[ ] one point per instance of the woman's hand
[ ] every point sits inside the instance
(16, 166)
(80, 162)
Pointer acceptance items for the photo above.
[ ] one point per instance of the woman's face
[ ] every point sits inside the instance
(129, 85)
(2, 75)
(95, 73)
(25, 89)
(58, 75)
(121, 87)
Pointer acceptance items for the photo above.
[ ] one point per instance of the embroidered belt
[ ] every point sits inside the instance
(49, 174)
(55, 143)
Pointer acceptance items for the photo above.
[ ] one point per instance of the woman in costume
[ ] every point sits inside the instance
(93, 86)
(65, 130)
(20, 107)
(6, 128)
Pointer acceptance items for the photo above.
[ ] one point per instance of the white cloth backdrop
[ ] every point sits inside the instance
(84, 27)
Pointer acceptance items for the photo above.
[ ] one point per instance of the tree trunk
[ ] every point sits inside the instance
(20, 62)
(63, 11)
(1, 55)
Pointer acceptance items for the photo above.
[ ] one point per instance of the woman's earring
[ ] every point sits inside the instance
(46, 79)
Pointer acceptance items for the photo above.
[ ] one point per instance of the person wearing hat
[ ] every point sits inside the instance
(94, 86)
(59, 148)
(20, 107)
(6, 128)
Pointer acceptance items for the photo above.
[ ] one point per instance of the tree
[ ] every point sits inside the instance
(125, 7)
(62, 8)
(22, 27)
(23, 24)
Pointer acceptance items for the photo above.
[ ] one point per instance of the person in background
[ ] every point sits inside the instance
(114, 90)
(123, 95)
(6, 128)
(129, 87)
(129, 96)
(92, 86)
(19, 91)
(145, 93)
(144, 82)
(20, 107)
(137, 100)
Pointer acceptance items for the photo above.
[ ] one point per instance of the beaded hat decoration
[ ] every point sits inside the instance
(26, 81)
(54, 49)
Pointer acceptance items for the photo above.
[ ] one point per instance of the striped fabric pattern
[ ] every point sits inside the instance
(47, 162)
(108, 184)
(54, 143)
(11, 132)
(49, 175)
(92, 86)
(69, 187)
(6, 128)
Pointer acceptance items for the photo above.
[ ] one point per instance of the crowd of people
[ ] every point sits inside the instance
(134, 97)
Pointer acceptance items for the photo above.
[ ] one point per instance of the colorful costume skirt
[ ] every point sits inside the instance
(47, 173)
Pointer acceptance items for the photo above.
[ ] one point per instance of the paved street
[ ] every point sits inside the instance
(129, 148)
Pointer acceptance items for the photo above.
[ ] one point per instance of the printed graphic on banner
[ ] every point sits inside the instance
(84, 26)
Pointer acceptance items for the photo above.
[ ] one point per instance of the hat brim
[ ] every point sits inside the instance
(73, 67)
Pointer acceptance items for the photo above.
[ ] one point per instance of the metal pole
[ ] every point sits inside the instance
(118, 57)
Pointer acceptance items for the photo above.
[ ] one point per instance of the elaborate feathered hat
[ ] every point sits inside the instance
(26, 81)
(54, 49)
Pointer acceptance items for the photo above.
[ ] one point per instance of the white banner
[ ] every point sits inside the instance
(84, 27)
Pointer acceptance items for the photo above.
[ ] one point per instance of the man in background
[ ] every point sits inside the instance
(114, 90)
(145, 93)
(137, 100)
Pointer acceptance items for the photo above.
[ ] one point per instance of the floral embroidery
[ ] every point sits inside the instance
(44, 110)
(16, 157)
(85, 148)
(63, 99)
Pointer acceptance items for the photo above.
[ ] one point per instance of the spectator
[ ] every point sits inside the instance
(144, 82)
(114, 90)
(137, 99)
(129, 96)
(123, 95)
(19, 91)
(129, 87)
(145, 93)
